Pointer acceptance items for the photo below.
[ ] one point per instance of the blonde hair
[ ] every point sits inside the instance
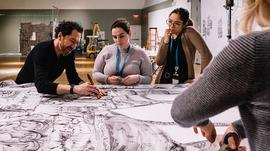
(250, 13)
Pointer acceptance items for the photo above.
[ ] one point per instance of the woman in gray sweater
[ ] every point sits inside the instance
(122, 63)
(238, 76)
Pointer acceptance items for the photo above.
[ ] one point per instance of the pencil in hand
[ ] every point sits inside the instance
(91, 81)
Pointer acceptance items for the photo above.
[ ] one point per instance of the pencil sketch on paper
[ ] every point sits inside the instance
(33, 121)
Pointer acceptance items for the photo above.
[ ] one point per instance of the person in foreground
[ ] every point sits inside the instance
(238, 76)
(122, 63)
(177, 49)
(46, 62)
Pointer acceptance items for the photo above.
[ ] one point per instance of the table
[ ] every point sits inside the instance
(129, 118)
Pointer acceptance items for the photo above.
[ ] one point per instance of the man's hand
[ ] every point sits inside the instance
(102, 92)
(207, 131)
(86, 89)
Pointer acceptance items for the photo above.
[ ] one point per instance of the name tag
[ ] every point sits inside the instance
(175, 78)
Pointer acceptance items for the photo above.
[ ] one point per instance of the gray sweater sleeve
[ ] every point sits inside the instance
(224, 84)
(100, 62)
(145, 69)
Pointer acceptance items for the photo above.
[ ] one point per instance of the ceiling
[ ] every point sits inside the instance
(77, 4)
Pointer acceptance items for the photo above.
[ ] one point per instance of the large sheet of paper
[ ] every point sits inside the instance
(129, 118)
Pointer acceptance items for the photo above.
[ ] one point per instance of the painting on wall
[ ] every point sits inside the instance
(31, 34)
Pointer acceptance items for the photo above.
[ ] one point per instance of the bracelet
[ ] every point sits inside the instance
(230, 134)
(71, 89)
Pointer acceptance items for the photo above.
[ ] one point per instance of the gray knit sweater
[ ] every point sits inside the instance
(137, 63)
(238, 76)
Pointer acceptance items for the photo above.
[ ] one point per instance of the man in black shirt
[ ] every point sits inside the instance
(46, 62)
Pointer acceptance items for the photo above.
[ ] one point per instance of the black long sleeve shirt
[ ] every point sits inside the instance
(169, 68)
(43, 67)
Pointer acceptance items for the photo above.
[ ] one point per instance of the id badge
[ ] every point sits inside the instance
(175, 78)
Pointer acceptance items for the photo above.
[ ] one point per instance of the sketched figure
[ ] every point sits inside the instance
(7, 83)
(129, 134)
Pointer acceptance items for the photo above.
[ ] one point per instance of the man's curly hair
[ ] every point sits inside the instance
(66, 28)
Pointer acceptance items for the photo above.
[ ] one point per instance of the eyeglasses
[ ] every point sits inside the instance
(175, 24)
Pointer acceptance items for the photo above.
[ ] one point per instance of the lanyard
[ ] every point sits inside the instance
(176, 52)
(118, 61)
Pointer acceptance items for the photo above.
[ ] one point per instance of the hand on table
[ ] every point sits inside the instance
(232, 140)
(115, 80)
(131, 79)
(85, 89)
(208, 131)
(102, 92)
(190, 81)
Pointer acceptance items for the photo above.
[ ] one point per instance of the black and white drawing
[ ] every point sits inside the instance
(129, 118)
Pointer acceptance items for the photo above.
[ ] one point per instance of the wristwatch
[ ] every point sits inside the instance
(231, 134)
(71, 89)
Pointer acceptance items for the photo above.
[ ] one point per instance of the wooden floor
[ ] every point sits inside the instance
(11, 65)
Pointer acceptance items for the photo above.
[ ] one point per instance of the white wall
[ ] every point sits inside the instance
(149, 3)
(72, 4)
(136, 34)
(214, 19)
(158, 18)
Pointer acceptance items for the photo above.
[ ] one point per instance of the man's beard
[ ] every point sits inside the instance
(67, 51)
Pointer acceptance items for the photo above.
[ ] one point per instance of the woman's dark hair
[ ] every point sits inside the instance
(66, 28)
(121, 23)
(184, 15)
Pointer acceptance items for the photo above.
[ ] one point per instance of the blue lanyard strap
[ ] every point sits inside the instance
(118, 61)
(176, 52)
